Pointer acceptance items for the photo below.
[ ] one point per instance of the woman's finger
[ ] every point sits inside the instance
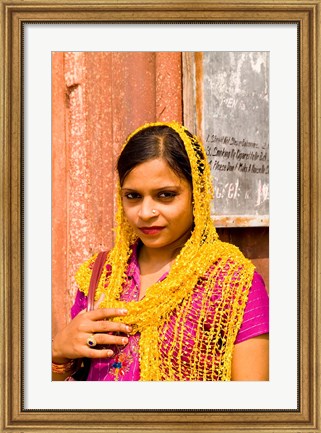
(105, 326)
(109, 339)
(103, 353)
(106, 313)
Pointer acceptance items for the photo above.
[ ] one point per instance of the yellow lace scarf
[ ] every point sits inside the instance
(225, 268)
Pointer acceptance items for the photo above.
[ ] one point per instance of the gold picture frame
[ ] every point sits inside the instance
(307, 15)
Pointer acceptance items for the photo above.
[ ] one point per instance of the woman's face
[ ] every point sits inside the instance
(153, 185)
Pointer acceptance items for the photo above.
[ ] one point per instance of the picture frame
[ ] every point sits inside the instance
(307, 16)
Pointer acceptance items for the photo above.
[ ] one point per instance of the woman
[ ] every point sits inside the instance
(175, 303)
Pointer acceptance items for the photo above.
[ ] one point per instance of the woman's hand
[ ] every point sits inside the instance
(71, 342)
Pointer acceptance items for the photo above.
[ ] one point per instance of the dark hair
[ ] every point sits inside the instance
(151, 143)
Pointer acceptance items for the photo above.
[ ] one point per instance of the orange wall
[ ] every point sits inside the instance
(97, 100)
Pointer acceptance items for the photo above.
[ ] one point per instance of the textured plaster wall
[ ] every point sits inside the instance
(97, 100)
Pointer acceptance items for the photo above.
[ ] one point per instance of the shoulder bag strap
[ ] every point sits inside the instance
(95, 276)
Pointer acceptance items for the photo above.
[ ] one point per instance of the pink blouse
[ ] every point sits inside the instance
(124, 365)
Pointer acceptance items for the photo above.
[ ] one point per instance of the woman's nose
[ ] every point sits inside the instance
(147, 209)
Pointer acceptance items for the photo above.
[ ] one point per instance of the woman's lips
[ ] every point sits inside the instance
(151, 230)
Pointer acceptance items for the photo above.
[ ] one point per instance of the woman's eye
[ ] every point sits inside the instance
(132, 195)
(167, 194)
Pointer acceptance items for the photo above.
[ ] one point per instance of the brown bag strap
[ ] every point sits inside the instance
(95, 276)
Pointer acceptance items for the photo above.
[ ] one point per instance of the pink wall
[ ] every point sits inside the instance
(97, 100)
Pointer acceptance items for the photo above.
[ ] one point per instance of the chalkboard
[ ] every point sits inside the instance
(235, 133)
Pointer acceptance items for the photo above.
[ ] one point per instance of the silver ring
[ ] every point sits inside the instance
(91, 342)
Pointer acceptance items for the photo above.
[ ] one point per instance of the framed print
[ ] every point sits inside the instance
(31, 32)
